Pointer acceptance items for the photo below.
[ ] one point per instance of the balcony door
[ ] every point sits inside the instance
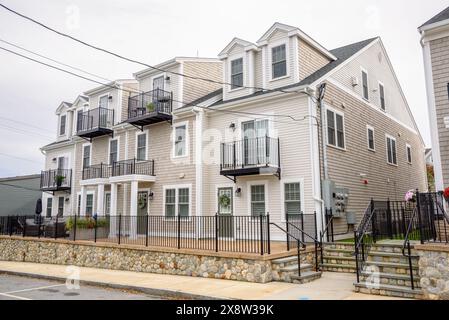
(225, 214)
(254, 142)
(142, 212)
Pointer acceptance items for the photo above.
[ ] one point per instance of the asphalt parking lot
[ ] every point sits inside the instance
(24, 288)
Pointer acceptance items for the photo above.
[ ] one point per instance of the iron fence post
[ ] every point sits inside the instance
(321, 246)
(302, 226)
(261, 234)
(39, 228)
(24, 227)
(216, 232)
(268, 234)
(95, 230)
(179, 231)
(147, 230)
(389, 219)
(288, 232)
(55, 231)
(356, 256)
(299, 257)
(74, 229)
(410, 264)
(373, 221)
(418, 207)
(119, 227)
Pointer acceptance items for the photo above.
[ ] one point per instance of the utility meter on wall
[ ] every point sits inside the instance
(335, 198)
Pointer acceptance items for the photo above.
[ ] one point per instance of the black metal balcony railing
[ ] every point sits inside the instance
(132, 166)
(95, 120)
(98, 171)
(54, 180)
(150, 104)
(250, 153)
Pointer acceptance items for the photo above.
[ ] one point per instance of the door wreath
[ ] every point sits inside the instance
(224, 200)
(142, 202)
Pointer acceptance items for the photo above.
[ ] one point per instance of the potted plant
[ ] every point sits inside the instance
(59, 180)
(85, 228)
(410, 196)
(150, 107)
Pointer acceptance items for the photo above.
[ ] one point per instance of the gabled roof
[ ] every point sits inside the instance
(62, 106)
(237, 41)
(294, 31)
(443, 15)
(80, 99)
(108, 86)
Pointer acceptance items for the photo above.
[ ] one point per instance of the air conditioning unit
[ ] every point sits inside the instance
(355, 81)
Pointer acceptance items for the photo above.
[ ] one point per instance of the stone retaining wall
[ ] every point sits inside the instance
(434, 271)
(135, 259)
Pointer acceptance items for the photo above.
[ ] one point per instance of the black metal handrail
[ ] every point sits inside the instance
(361, 234)
(152, 102)
(407, 246)
(317, 243)
(55, 179)
(133, 166)
(98, 171)
(250, 152)
(95, 119)
(328, 230)
(301, 246)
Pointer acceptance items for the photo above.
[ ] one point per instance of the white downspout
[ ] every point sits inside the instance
(199, 113)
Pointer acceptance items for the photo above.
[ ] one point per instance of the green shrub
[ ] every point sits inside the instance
(85, 223)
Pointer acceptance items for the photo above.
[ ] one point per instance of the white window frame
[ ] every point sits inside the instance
(287, 57)
(159, 75)
(335, 121)
(65, 125)
(138, 133)
(57, 205)
(282, 191)
(176, 188)
(380, 84)
(94, 202)
(387, 136)
(175, 126)
(104, 204)
(368, 128)
(102, 96)
(257, 183)
(224, 186)
(236, 57)
(46, 205)
(82, 154)
(109, 149)
(363, 70)
(408, 147)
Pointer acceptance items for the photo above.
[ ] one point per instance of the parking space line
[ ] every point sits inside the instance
(32, 289)
(15, 297)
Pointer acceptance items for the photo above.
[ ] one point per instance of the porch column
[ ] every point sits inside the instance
(113, 227)
(83, 201)
(100, 200)
(133, 209)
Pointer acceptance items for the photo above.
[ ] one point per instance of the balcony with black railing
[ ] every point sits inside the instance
(251, 156)
(95, 123)
(98, 171)
(56, 180)
(150, 107)
(133, 167)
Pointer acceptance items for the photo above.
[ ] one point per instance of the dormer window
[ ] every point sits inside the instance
(279, 61)
(62, 125)
(236, 73)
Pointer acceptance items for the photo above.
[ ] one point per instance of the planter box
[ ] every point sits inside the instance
(89, 234)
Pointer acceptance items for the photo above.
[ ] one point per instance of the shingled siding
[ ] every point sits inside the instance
(440, 70)
(384, 180)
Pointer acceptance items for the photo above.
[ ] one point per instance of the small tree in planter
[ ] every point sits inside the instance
(85, 227)
(59, 180)
(150, 107)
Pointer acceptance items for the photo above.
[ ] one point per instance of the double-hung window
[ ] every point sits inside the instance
(141, 147)
(292, 198)
(107, 203)
(408, 149)
(335, 129)
(103, 102)
(62, 125)
(257, 200)
(279, 61)
(382, 96)
(61, 206)
(365, 87)
(391, 151)
(237, 73)
(177, 202)
(113, 151)
(86, 156)
(89, 204)
(180, 141)
(370, 137)
(49, 207)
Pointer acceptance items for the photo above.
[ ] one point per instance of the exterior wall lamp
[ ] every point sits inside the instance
(238, 192)
(151, 196)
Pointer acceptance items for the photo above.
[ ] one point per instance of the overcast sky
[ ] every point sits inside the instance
(155, 31)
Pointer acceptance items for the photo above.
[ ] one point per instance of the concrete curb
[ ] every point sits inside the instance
(171, 294)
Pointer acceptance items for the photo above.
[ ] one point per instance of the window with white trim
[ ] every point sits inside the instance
(86, 156)
(370, 138)
(103, 101)
(177, 202)
(408, 149)
(89, 204)
(279, 61)
(180, 141)
(237, 73)
(391, 151)
(335, 129)
(257, 200)
(365, 87)
(292, 198)
(141, 146)
(113, 151)
(61, 206)
(78, 209)
(62, 124)
(382, 96)
(107, 203)
(49, 207)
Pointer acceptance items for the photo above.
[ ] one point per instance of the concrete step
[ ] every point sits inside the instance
(389, 290)
(338, 252)
(393, 257)
(306, 277)
(392, 279)
(294, 267)
(285, 260)
(335, 267)
(339, 245)
(391, 267)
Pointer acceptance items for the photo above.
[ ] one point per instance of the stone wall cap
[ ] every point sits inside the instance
(442, 247)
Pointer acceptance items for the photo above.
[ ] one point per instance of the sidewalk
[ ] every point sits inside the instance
(332, 286)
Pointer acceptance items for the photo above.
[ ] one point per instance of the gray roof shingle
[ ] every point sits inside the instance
(443, 15)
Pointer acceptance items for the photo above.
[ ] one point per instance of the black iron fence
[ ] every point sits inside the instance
(156, 101)
(34, 226)
(97, 171)
(95, 119)
(250, 152)
(133, 166)
(57, 179)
